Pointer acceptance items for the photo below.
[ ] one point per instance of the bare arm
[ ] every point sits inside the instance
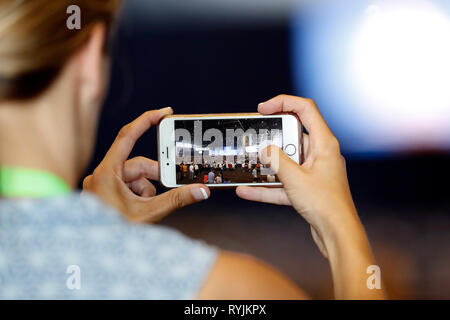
(241, 277)
(319, 191)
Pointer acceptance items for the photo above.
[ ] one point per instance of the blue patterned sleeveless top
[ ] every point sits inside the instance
(75, 247)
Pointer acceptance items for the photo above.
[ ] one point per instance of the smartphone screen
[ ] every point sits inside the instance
(225, 151)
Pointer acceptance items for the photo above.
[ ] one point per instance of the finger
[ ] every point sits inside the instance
(287, 170)
(140, 167)
(177, 198)
(306, 145)
(129, 134)
(261, 194)
(142, 187)
(307, 111)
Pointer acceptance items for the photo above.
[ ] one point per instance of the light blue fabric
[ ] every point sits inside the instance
(40, 239)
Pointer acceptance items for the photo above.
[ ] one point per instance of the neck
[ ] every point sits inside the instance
(39, 134)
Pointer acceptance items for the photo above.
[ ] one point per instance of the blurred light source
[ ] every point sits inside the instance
(387, 67)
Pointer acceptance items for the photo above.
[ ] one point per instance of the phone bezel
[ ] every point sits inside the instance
(292, 134)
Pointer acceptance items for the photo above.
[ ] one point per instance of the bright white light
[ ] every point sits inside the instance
(400, 69)
(183, 145)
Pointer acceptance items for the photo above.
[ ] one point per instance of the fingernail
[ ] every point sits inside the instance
(199, 194)
(167, 110)
(260, 104)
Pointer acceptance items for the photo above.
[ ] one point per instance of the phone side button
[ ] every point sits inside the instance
(290, 149)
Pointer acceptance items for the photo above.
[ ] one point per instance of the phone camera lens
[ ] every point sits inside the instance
(167, 163)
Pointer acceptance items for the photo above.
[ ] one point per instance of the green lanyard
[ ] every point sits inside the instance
(30, 183)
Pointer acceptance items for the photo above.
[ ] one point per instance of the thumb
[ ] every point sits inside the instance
(286, 169)
(174, 199)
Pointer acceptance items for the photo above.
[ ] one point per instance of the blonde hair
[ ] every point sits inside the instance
(35, 42)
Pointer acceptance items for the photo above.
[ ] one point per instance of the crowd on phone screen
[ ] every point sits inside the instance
(222, 172)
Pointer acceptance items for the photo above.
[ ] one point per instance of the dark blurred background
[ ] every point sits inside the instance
(385, 97)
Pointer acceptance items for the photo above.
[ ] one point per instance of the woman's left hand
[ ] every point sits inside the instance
(123, 183)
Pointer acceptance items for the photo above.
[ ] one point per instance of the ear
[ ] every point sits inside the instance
(92, 67)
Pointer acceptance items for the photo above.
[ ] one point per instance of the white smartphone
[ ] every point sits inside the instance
(222, 150)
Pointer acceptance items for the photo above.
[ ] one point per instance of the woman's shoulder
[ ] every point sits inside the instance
(82, 210)
(151, 261)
